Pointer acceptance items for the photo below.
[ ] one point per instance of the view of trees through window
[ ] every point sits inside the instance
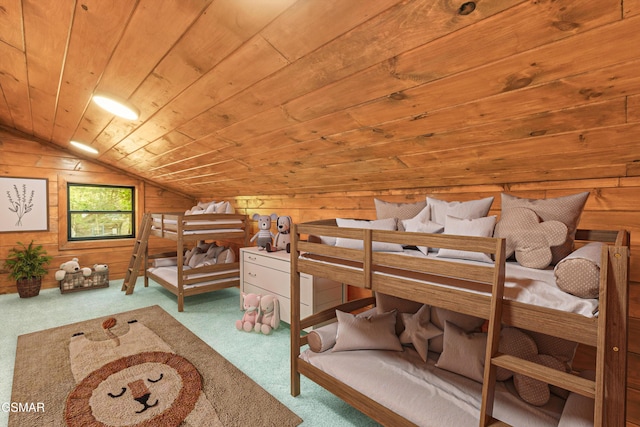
(100, 212)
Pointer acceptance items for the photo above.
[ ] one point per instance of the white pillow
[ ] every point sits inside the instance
(165, 262)
(379, 224)
(479, 227)
(468, 210)
(421, 218)
(210, 207)
(421, 224)
(223, 207)
(578, 409)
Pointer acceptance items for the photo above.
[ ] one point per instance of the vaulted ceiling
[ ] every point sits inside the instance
(242, 97)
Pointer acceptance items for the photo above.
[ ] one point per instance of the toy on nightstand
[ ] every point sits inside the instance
(71, 267)
(282, 241)
(251, 305)
(269, 315)
(264, 234)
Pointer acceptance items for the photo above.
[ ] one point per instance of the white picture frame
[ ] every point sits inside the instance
(24, 204)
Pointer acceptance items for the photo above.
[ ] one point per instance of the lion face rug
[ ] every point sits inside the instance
(134, 379)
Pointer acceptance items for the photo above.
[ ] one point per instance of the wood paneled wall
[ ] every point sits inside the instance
(21, 156)
(612, 203)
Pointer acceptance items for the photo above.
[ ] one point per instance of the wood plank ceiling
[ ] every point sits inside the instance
(245, 97)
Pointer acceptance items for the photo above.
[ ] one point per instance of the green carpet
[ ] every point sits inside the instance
(264, 358)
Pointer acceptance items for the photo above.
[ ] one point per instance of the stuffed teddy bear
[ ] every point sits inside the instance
(100, 267)
(269, 315)
(282, 241)
(264, 234)
(71, 267)
(251, 305)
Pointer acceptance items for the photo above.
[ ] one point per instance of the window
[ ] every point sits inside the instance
(100, 212)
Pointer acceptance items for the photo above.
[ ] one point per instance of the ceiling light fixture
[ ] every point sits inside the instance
(117, 106)
(84, 147)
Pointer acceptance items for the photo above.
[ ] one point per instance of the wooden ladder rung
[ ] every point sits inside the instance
(567, 381)
(497, 423)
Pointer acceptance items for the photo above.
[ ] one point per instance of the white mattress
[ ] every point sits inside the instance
(221, 230)
(426, 395)
(170, 275)
(198, 221)
(528, 285)
(157, 225)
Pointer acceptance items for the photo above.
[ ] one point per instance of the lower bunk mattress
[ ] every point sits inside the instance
(170, 275)
(432, 397)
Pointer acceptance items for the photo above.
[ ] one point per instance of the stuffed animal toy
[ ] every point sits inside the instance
(71, 267)
(251, 305)
(264, 234)
(282, 241)
(269, 315)
(100, 267)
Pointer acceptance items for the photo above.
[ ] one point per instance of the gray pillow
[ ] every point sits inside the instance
(399, 211)
(579, 272)
(468, 210)
(463, 353)
(566, 209)
(376, 332)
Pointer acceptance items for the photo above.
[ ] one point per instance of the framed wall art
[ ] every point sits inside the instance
(24, 204)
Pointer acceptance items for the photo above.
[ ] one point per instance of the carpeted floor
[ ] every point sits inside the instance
(264, 358)
(134, 367)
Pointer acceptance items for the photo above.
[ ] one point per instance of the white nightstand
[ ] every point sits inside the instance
(269, 273)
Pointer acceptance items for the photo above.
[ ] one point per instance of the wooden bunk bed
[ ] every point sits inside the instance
(187, 231)
(472, 289)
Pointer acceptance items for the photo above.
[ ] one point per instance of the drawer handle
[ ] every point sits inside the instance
(252, 274)
(252, 258)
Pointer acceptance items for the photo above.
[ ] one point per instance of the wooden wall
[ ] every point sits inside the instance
(23, 157)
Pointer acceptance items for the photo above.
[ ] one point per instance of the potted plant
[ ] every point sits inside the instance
(27, 265)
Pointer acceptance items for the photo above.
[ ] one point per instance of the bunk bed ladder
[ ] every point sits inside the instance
(493, 342)
(137, 255)
(568, 381)
(592, 388)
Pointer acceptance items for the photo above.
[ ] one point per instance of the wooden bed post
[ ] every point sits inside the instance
(615, 336)
(493, 336)
(295, 312)
(368, 254)
(180, 255)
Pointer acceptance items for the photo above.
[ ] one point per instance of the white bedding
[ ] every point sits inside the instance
(158, 225)
(528, 285)
(170, 275)
(429, 396)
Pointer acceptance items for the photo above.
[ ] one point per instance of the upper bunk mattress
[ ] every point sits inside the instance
(204, 226)
(522, 284)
